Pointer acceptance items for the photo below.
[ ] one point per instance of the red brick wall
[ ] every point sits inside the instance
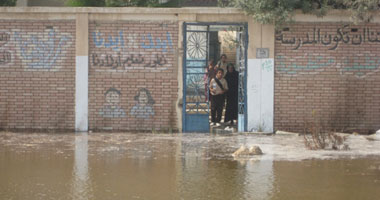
(331, 70)
(127, 58)
(37, 74)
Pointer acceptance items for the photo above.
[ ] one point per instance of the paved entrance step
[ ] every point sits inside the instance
(222, 129)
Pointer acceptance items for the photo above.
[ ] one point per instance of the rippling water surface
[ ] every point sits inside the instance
(183, 166)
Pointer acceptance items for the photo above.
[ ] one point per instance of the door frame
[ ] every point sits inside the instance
(244, 25)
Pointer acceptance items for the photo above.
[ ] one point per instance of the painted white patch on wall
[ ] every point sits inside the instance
(81, 94)
(260, 94)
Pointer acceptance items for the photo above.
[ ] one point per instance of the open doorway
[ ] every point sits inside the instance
(204, 42)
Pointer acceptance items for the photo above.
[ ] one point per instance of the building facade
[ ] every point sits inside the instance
(126, 69)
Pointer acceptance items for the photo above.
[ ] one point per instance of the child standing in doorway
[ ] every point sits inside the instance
(209, 75)
(218, 86)
(222, 63)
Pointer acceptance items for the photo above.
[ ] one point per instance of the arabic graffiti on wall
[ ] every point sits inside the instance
(4, 38)
(312, 64)
(128, 61)
(123, 51)
(343, 35)
(113, 42)
(158, 43)
(346, 50)
(42, 50)
(359, 65)
(5, 55)
(122, 41)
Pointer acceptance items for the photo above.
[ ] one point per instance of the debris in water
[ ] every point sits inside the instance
(244, 151)
(286, 133)
(375, 136)
(255, 150)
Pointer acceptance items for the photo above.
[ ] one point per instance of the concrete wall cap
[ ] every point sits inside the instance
(124, 10)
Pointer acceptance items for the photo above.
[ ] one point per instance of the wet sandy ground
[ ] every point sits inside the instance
(183, 166)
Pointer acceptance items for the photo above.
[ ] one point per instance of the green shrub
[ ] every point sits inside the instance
(8, 2)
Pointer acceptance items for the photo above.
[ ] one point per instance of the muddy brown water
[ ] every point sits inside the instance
(182, 166)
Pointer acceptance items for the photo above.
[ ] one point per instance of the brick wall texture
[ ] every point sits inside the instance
(133, 82)
(37, 74)
(327, 73)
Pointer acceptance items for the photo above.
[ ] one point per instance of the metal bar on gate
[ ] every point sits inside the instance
(197, 31)
(245, 75)
(184, 79)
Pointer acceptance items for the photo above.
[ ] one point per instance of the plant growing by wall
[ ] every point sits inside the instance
(316, 137)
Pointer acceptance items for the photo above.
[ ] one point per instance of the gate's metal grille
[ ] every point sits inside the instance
(196, 62)
(197, 45)
(241, 66)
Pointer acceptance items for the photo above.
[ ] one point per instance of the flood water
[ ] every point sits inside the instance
(183, 166)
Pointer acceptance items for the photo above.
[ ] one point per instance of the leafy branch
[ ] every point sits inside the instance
(279, 12)
(8, 2)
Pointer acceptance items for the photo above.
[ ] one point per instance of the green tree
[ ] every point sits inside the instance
(281, 11)
(362, 10)
(87, 3)
(8, 2)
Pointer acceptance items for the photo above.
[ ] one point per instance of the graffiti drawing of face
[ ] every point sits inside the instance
(144, 105)
(112, 98)
(143, 98)
(111, 107)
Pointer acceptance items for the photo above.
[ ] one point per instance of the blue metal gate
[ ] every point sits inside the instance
(195, 116)
(195, 95)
